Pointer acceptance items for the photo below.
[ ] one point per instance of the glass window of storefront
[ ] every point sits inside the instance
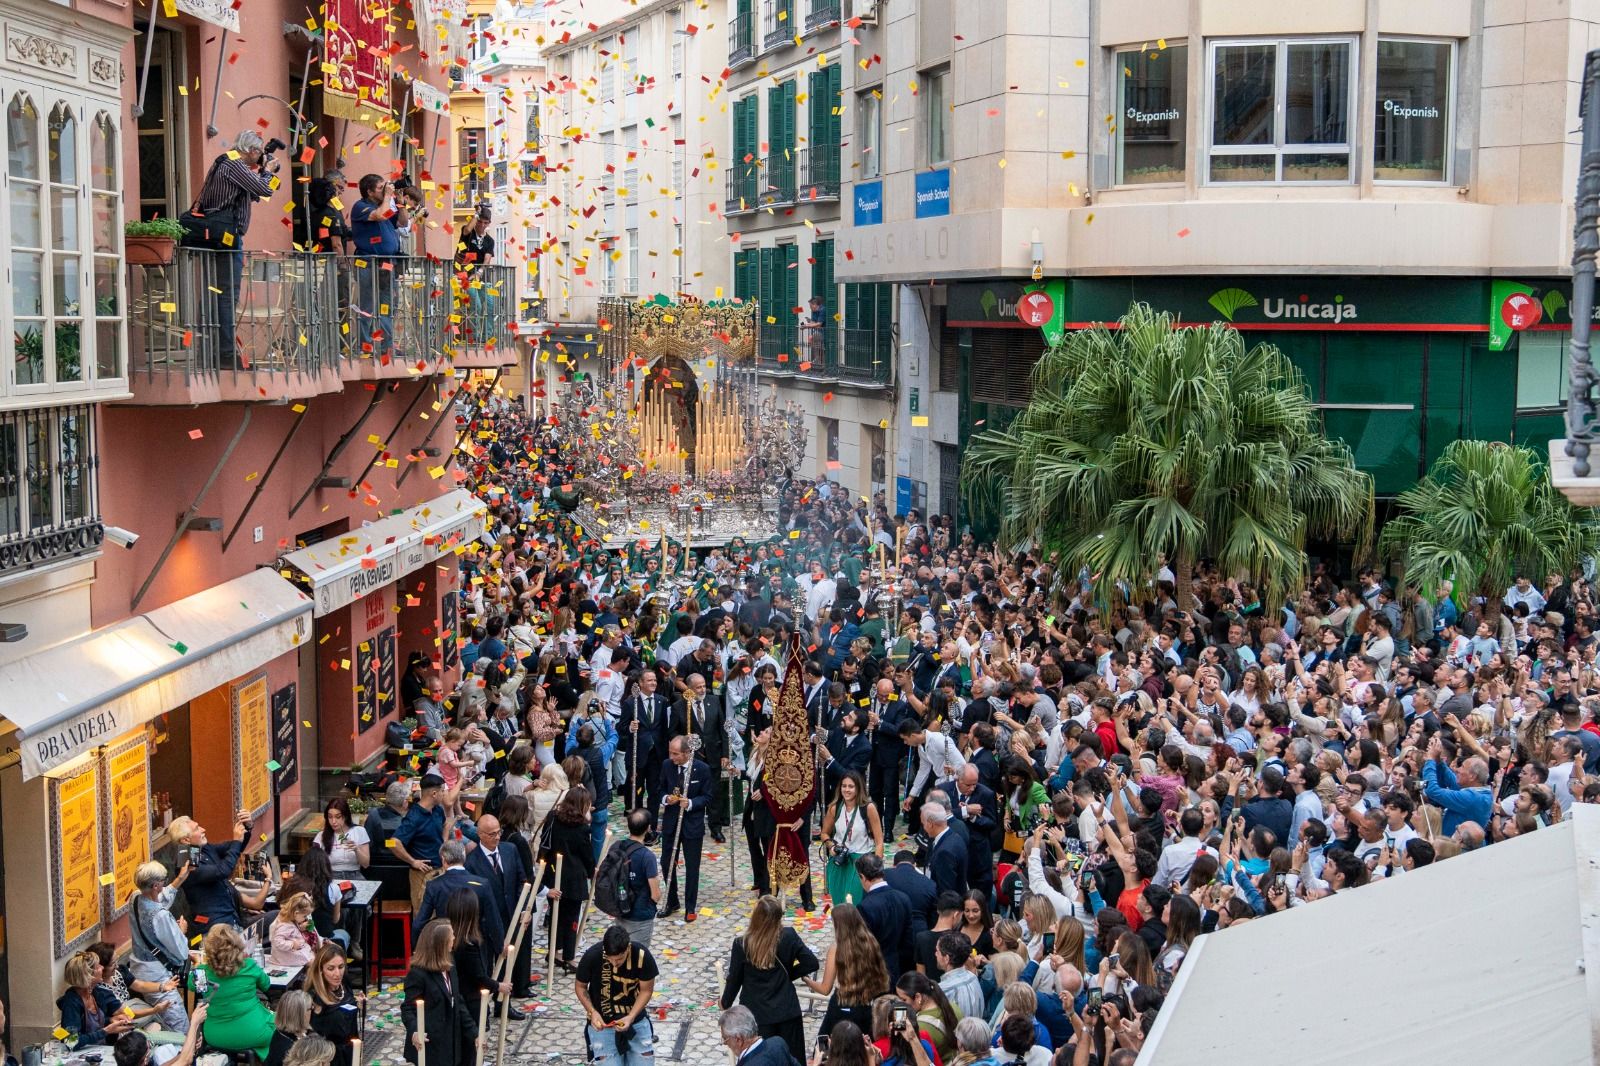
(1541, 369)
(1281, 111)
(1415, 91)
(1152, 115)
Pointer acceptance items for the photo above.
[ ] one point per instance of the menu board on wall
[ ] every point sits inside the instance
(449, 619)
(252, 739)
(285, 739)
(76, 856)
(386, 673)
(366, 685)
(128, 777)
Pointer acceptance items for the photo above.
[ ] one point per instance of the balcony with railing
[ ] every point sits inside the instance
(483, 323)
(867, 356)
(778, 346)
(778, 26)
(819, 172)
(821, 14)
(396, 311)
(49, 499)
(743, 182)
(241, 326)
(741, 39)
(778, 183)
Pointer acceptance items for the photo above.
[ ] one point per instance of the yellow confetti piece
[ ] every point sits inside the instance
(108, 879)
(919, 420)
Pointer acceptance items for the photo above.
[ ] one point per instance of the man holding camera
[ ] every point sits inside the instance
(211, 899)
(221, 218)
(376, 220)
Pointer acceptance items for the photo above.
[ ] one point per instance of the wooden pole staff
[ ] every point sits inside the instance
(422, 1030)
(550, 967)
(483, 1023)
(523, 901)
(516, 948)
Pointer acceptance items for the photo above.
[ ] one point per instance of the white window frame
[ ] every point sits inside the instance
(869, 157)
(939, 107)
(1279, 148)
(1455, 108)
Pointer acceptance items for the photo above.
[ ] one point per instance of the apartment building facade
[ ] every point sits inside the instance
(227, 514)
(1381, 189)
(634, 139)
(833, 359)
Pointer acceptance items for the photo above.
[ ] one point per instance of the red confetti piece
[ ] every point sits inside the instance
(195, 434)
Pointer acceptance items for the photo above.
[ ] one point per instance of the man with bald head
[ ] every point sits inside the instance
(976, 806)
(498, 864)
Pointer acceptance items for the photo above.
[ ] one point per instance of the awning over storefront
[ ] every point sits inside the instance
(70, 699)
(343, 569)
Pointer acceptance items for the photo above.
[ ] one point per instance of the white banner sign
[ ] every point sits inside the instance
(430, 98)
(217, 12)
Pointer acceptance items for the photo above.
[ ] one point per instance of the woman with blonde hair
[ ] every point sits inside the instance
(90, 1010)
(853, 974)
(542, 797)
(293, 1022)
(233, 984)
(1004, 969)
(1068, 947)
(762, 969)
(293, 936)
(310, 1050)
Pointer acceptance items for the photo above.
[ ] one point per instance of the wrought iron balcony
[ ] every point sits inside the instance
(779, 25)
(245, 325)
(741, 39)
(823, 13)
(396, 312)
(779, 346)
(483, 321)
(819, 172)
(49, 493)
(743, 182)
(778, 182)
(868, 356)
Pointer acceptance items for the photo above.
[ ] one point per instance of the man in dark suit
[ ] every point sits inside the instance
(888, 751)
(816, 691)
(918, 888)
(687, 782)
(742, 1036)
(643, 731)
(887, 912)
(983, 756)
(435, 897)
(978, 809)
(700, 714)
(850, 750)
(947, 855)
(498, 864)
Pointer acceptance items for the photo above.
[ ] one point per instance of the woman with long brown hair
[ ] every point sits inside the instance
(347, 844)
(854, 973)
(434, 1010)
(762, 970)
(467, 957)
(572, 838)
(335, 1005)
(851, 828)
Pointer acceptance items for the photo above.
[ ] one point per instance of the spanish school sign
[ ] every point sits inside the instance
(1291, 303)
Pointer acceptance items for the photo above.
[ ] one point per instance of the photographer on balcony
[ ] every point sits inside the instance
(474, 251)
(219, 220)
(376, 220)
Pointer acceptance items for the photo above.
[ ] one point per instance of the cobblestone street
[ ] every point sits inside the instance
(685, 1009)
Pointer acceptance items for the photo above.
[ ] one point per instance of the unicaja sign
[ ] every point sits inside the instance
(1401, 111)
(1135, 115)
(1334, 313)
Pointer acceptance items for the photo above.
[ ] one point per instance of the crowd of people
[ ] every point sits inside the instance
(1031, 793)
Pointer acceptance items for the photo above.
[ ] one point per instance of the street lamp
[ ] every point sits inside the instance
(1569, 459)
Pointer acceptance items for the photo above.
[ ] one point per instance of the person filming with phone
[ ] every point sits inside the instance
(206, 869)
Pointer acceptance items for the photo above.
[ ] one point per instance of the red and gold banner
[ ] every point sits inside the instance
(356, 77)
(791, 775)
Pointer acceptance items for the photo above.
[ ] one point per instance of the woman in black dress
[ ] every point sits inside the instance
(762, 970)
(472, 964)
(434, 1009)
(571, 838)
(335, 1006)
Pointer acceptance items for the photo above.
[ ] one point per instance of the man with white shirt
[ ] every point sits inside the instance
(1177, 858)
(938, 761)
(610, 640)
(821, 591)
(1564, 754)
(686, 644)
(1524, 592)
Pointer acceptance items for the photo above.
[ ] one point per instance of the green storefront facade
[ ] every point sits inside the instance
(1401, 366)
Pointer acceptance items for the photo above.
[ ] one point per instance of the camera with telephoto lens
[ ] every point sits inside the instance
(273, 145)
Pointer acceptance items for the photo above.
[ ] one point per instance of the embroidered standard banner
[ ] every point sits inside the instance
(791, 776)
(356, 64)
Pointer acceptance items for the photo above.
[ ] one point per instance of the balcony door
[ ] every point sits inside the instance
(163, 129)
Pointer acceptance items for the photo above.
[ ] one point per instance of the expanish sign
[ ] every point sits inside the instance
(1135, 115)
(1402, 111)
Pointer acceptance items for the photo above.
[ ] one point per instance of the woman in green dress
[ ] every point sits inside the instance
(850, 829)
(233, 984)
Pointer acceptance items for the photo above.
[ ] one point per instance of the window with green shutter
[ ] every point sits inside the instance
(743, 185)
(820, 169)
(822, 285)
(868, 331)
(779, 184)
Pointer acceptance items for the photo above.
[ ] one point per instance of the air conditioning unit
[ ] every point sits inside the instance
(865, 10)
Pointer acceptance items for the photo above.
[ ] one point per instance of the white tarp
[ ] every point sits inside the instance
(1486, 958)
(345, 568)
(71, 698)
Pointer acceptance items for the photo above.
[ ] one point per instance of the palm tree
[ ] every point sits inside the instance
(1154, 441)
(1485, 513)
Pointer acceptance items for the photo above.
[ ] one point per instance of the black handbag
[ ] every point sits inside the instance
(218, 229)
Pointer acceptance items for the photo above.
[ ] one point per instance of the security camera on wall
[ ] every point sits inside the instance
(125, 537)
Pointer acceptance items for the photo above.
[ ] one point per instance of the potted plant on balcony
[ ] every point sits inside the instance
(151, 242)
